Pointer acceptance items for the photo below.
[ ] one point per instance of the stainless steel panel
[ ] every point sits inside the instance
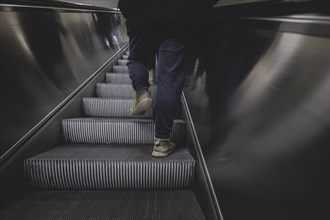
(45, 55)
(261, 111)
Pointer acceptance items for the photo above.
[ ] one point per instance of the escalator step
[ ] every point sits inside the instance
(106, 170)
(107, 90)
(116, 78)
(117, 131)
(105, 205)
(109, 167)
(122, 62)
(104, 107)
(120, 69)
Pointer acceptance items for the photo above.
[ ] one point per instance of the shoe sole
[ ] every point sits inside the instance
(162, 154)
(142, 107)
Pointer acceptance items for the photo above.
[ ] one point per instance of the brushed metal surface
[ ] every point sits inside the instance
(261, 111)
(45, 55)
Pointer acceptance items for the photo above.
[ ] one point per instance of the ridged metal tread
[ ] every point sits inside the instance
(105, 107)
(120, 69)
(122, 62)
(106, 205)
(109, 167)
(118, 78)
(107, 90)
(117, 131)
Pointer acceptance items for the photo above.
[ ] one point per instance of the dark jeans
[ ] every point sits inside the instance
(172, 46)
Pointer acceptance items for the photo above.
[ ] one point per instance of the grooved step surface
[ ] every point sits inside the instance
(106, 205)
(122, 62)
(117, 131)
(120, 69)
(104, 107)
(110, 162)
(109, 167)
(117, 78)
(107, 90)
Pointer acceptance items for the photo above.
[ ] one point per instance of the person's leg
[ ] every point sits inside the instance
(141, 43)
(171, 74)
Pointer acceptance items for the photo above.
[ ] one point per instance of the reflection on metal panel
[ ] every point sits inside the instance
(236, 2)
(46, 55)
(261, 111)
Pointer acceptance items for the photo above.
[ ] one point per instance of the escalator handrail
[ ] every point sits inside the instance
(56, 4)
(270, 8)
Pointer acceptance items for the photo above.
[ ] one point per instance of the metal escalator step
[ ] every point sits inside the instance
(125, 57)
(105, 205)
(109, 167)
(107, 90)
(120, 69)
(117, 131)
(122, 62)
(105, 107)
(116, 78)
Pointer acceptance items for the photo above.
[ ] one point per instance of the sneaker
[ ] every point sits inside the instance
(163, 147)
(142, 103)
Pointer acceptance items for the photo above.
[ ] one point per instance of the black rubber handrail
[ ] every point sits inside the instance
(272, 8)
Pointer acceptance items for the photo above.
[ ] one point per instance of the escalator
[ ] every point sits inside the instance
(70, 149)
(105, 169)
